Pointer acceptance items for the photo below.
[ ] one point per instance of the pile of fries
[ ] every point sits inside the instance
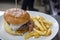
(41, 27)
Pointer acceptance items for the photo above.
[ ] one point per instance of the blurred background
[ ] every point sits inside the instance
(46, 6)
(51, 7)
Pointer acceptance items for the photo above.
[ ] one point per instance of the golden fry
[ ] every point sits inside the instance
(35, 35)
(36, 22)
(36, 28)
(47, 22)
(48, 32)
(28, 35)
(37, 17)
(42, 24)
(42, 18)
(47, 26)
(40, 32)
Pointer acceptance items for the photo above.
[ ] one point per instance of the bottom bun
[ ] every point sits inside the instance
(8, 30)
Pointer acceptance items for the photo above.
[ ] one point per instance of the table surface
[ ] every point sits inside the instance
(57, 37)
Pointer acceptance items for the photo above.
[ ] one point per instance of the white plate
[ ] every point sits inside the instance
(54, 28)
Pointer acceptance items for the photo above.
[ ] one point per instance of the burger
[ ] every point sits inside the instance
(17, 21)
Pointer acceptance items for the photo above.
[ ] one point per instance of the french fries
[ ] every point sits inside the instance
(42, 27)
(47, 26)
(39, 32)
(47, 22)
(38, 24)
(48, 32)
(26, 36)
(36, 28)
(35, 34)
(40, 20)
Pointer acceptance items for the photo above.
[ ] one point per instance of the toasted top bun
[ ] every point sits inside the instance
(16, 16)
